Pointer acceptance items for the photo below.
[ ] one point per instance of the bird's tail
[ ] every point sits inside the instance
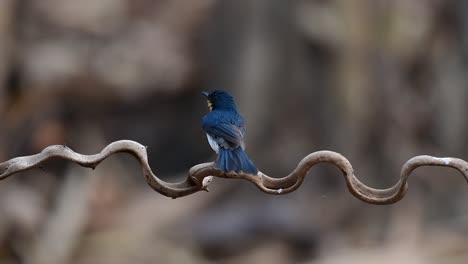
(235, 160)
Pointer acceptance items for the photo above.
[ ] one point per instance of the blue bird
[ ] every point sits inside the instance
(225, 131)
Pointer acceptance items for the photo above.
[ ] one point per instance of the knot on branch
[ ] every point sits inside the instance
(200, 176)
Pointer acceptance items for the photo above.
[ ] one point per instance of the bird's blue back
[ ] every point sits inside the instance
(224, 123)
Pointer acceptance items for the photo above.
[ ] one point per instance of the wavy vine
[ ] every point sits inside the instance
(200, 176)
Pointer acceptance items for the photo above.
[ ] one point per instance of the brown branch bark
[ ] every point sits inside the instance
(200, 175)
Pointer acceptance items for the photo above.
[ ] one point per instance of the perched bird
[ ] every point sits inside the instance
(225, 131)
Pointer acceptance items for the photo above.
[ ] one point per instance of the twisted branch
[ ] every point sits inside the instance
(200, 175)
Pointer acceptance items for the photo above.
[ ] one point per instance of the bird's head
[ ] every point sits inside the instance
(220, 100)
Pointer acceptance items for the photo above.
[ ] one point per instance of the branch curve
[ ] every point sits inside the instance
(200, 175)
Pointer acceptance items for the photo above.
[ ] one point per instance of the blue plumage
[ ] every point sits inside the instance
(225, 130)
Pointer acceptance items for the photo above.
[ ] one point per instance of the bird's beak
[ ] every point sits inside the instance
(206, 93)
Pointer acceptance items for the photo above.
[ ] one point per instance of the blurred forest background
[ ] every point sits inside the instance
(379, 81)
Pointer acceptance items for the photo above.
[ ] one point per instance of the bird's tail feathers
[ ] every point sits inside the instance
(235, 160)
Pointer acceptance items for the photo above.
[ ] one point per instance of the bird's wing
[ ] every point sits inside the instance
(225, 133)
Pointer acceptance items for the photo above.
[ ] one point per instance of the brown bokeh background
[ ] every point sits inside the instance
(379, 81)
